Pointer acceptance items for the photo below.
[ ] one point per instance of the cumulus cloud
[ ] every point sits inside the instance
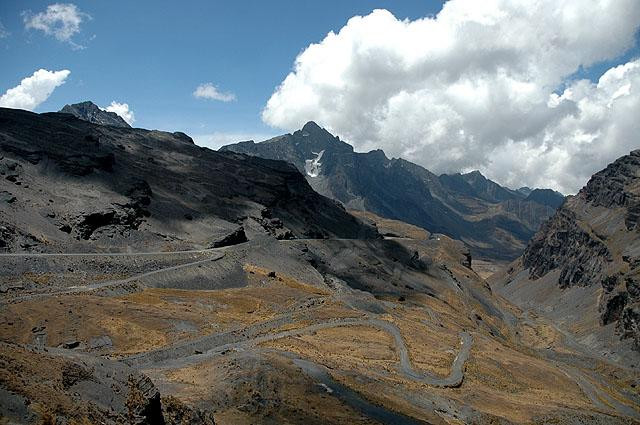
(123, 110)
(61, 20)
(209, 91)
(218, 139)
(603, 126)
(33, 90)
(475, 88)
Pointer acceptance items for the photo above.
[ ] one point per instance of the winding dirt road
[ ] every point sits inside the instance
(595, 392)
(454, 379)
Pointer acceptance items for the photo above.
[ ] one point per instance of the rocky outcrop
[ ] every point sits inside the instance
(275, 227)
(143, 401)
(629, 324)
(562, 243)
(84, 388)
(88, 111)
(233, 238)
(79, 388)
(593, 240)
(610, 188)
(611, 308)
(121, 217)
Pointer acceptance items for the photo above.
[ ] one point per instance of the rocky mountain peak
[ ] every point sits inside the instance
(311, 126)
(89, 111)
(476, 174)
(399, 189)
(314, 134)
(312, 139)
(614, 186)
(378, 155)
(477, 185)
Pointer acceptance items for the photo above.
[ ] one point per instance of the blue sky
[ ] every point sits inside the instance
(152, 55)
(510, 88)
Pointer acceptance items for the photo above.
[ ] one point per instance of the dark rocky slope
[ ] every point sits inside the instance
(590, 250)
(89, 111)
(494, 221)
(69, 387)
(547, 197)
(67, 184)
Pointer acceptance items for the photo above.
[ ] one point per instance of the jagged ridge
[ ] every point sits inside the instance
(67, 181)
(89, 111)
(496, 222)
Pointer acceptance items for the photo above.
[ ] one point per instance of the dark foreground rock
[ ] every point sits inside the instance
(64, 387)
(233, 238)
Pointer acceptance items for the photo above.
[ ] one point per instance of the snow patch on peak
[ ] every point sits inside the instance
(312, 166)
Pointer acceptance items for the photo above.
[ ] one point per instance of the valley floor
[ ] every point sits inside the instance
(303, 331)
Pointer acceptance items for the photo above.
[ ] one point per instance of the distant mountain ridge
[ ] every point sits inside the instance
(545, 197)
(89, 111)
(496, 222)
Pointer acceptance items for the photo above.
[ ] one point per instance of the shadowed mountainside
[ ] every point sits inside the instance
(93, 186)
(494, 221)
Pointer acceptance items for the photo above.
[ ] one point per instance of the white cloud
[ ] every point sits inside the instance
(33, 90)
(603, 127)
(209, 91)
(473, 88)
(61, 20)
(3, 32)
(123, 110)
(218, 139)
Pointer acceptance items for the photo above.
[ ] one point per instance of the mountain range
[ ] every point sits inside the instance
(147, 280)
(146, 188)
(494, 221)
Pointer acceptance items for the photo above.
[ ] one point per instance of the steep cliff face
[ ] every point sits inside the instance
(594, 241)
(563, 243)
(617, 186)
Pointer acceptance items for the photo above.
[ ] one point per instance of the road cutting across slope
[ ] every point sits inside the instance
(160, 359)
(119, 282)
